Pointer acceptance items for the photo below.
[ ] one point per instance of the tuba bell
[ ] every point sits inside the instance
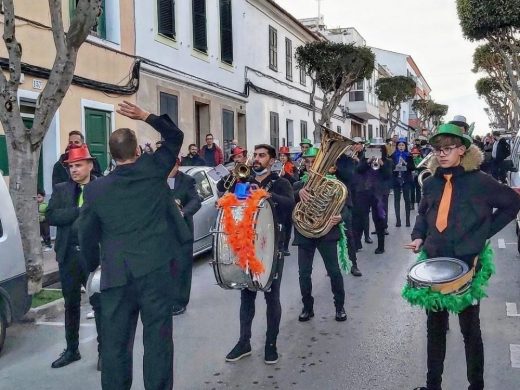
(427, 172)
(312, 219)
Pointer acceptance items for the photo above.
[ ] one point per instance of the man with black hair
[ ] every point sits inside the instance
(193, 159)
(281, 193)
(60, 171)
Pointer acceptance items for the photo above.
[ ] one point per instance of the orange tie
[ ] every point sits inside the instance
(444, 207)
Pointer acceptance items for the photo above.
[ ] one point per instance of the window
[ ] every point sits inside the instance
(200, 40)
(100, 28)
(166, 18)
(288, 59)
(274, 127)
(169, 104)
(370, 132)
(338, 129)
(303, 77)
(226, 32)
(98, 125)
(273, 48)
(228, 127)
(4, 165)
(356, 96)
(303, 130)
(203, 186)
(360, 85)
(290, 132)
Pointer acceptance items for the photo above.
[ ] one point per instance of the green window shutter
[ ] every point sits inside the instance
(166, 18)
(169, 104)
(200, 40)
(102, 22)
(4, 163)
(274, 129)
(97, 129)
(226, 32)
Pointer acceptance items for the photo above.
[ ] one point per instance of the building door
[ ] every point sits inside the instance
(228, 129)
(242, 130)
(201, 123)
(4, 164)
(290, 132)
(274, 130)
(97, 129)
(28, 122)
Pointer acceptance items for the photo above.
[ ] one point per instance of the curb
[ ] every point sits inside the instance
(48, 310)
(51, 278)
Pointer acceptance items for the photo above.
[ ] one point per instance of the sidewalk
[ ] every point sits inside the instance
(50, 269)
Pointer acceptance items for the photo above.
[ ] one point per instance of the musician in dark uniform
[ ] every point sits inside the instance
(281, 194)
(63, 212)
(328, 248)
(184, 194)
(460, 210)
(130, 216)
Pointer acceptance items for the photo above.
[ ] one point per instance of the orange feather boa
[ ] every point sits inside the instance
(241, 234)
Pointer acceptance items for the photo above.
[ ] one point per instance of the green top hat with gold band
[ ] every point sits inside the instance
(450, 129)
(306, 141)
(311, 152)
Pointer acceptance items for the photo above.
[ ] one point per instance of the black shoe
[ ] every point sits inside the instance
(368, 240)
(99, 363)
(386, 232)
(242, 349)
(306, 315)
(341, 315)
(412, 207)
(420, 388)
(66, 357)
(407, 224)
(178, 310)
(373, 233)
(271, 354)
(355, 271)
(379, 251)
(286, 253)
(398, 224)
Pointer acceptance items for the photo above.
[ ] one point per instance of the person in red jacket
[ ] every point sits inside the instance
(211, 153)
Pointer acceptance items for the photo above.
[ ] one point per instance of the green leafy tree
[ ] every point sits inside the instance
(333, 68)
(23, 144)
(394, 91)
(429, 111)
(501, 112)
(497, 22)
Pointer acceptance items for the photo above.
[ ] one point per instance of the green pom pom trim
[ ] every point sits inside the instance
(436, 301)
(344, 262)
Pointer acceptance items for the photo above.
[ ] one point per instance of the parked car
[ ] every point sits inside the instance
(204, 219)
(14, 299)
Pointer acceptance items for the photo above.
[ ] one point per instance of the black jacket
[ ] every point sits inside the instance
(185, 191)
(346, 173)
(332, 235)
(60, 172)
(404, 176)
(129, 212)
(376, 181)
(503, 150)
(195, 161)
(480, 208)
(63, 212)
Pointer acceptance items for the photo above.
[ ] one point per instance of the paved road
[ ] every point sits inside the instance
(381, 346)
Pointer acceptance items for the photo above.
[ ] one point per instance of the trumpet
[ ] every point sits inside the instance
(240, 171)
(427, 172)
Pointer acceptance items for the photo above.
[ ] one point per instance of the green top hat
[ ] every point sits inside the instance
(311, 152)
(450, 129)
(306, 141)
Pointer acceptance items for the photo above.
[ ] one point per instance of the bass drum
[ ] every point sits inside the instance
(227, 273)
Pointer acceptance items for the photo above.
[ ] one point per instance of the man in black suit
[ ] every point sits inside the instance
(63, 212)
(185, 196)
(501, 150)
(128, 214)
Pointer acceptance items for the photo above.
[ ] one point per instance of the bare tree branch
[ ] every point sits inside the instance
(13, 47)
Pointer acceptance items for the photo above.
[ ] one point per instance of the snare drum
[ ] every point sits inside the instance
(442, 274)
(227, 273)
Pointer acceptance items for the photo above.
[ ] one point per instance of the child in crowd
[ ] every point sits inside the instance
(45, 231)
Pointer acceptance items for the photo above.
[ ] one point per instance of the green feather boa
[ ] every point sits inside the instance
(344, 262)
(436, 301)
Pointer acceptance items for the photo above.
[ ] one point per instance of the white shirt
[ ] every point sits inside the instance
(171, 182)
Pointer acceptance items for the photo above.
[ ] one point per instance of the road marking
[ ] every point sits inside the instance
(61, 324)
(511, 310)
(501, 243)
(515, 355)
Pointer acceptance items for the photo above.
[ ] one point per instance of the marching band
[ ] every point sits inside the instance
(322, 197)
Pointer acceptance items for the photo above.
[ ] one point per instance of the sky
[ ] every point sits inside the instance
(428, 30)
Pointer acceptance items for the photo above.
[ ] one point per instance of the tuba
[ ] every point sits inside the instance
(312, 219)
(427, 172)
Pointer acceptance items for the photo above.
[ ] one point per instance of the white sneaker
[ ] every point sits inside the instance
(83, 291)
(47, 249)
(90, 315)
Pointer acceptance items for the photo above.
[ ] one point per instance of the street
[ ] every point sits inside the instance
(382, 345)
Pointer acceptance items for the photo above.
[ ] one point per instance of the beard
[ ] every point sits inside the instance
(259, 169)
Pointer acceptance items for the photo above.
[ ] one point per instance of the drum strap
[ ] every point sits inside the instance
(455, 285)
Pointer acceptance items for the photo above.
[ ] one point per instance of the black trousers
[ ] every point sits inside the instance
(437, 326)
(287, 230)
(329, 252)
(95, 302)
(45, 233)
(415, 193)
(151, 297)
(366, 200)
(182, 270)
(72, 277)
(273, 312)
(406, 190)
(351, 238)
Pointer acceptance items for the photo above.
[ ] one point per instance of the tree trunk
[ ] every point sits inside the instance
(23, 163)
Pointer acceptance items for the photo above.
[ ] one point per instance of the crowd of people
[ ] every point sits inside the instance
(144, 242)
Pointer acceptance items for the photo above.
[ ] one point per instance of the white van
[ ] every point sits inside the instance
(14, 300)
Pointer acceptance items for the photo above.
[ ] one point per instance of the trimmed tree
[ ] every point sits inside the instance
(23, 144)
(394, 91)
(333, 68)
(501, 112)
(428, 110)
